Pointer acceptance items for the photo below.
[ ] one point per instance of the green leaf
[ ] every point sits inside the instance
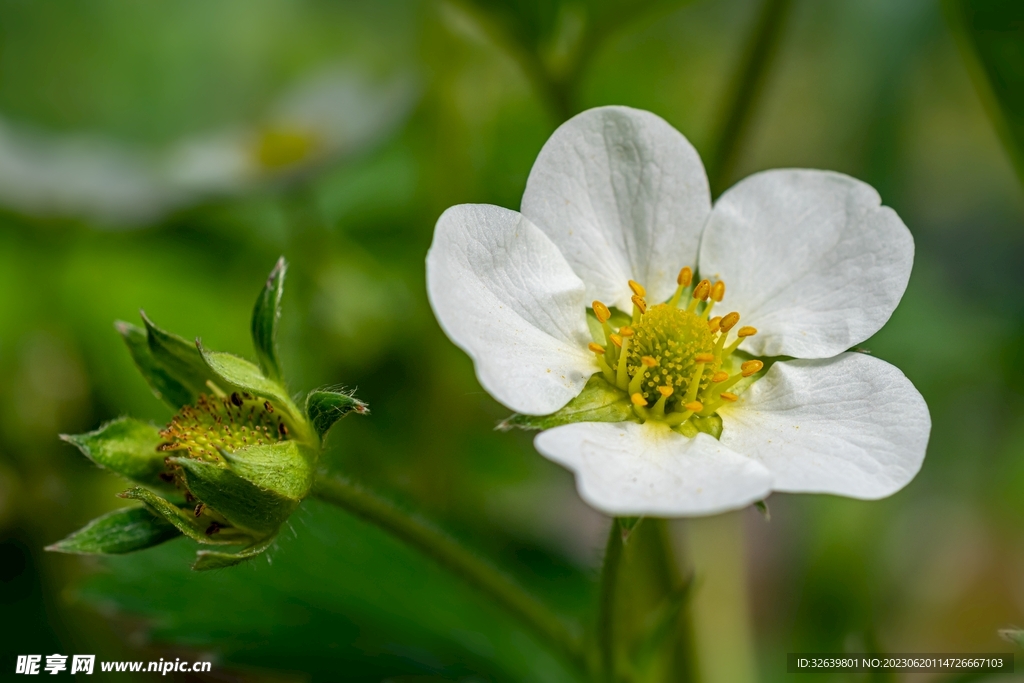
(241, 502)
(166, 388)
(324, 408)
(991, 38)
(213, 559)
(264, 322)
(598, 402)
(179, 358)
(118, 532)
(184, 521)
(1013, 635)
(285, 467)
(126, 446)
(239, 373)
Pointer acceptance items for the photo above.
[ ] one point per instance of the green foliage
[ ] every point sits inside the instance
(265, 316)
(237, 373)
(127, 447)
(180, 359)
(598, 402)
(324, 408)
(164, 385)
(118, 532)
(991, 36)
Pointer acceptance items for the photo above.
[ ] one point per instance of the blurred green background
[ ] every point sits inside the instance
(162, 155)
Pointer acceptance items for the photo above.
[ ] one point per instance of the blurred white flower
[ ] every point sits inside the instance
(660, 412)
(332, 113)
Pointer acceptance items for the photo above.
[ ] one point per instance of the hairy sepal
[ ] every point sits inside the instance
(126, 446)
(285, 468)
(324, 408)
(215, 559)
(118, 532)
(265, 315)
(598, 402)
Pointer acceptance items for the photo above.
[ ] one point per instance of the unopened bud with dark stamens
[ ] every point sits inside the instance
(637, 288)
(728, 396)
(751, 367)
(718, 291)
(729, 321)
(601, 312)
(719, 377)
(685, 277)
(639, 302)
(715, 323)
(702, 291)
(596, 348)
(746, 331)
(638, 399)
(694, 406)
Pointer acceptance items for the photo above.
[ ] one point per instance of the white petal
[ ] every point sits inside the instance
(631, 469)
(624, 196)
(506, 296)
(851, 425)
(810, 258)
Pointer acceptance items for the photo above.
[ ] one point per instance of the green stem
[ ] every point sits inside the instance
(746, 87)
(686, 666)
(606, 606)
(455, 558)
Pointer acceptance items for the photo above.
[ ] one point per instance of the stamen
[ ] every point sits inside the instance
(694, 406)
(596, 348)
(729, 321)
(638, 400)
(639, 307)
(700, 293)
(601, 312)
(728, 396)
(659, 408)
(718, 291)
(751, 367)
(715, 323)
(615, 339)
(700, 360)
(635, 384)
(746, 331)
(719, 376)
(637, 288)
(683, 281)
(621, 372)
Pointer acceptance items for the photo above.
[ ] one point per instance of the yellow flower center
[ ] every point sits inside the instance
(675, 361)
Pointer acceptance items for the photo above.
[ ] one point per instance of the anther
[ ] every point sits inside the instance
(638, 399)
(596, 348)
(616, 339)
(719, 376)
(715, 323)
(639, 302)
(685, 277)
(694, 406)
(704, 358)
(641, 373)
(666, 391)
(728, 396)
(751, 367)
(729, 321)
(626, 331)
(601, 312)
(718, 291)
(746, 331)
(702, 291)
(649, 361)
(637, 288)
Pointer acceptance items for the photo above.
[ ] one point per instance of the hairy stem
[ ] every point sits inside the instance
(606, 606)
(455, 558)
(747, 84)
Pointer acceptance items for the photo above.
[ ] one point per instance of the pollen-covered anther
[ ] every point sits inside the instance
(626, 331)
(729, 321)
(601, 312)
(719, 376)
(685, 277)
(666, 391)
(728, 396)
(746, 331)
(649, 361)
(715, 323)
(638, 289)
(694, 406)
(751, 367)
(702, 291)
(718, 291)
(616, 339)
(638, 400)
(704, 358)
(596, 348)
(640, 303)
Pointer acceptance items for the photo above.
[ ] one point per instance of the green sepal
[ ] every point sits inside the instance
(241, 502)
(711, 425)
(265, 315)
(659, 626)
(285, 467)
(324, 408)
(214, 559)
(126, 446)
(238, 373)
(179, 358)
(167, 389)
(118, 532)
(598, 402)
(184, 520)
(762, 507)
(1013, 635)
(627, 525)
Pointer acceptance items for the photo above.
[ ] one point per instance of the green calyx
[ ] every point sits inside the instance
(235, 460)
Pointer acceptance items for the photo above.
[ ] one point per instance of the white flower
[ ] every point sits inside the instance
(616, 203)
